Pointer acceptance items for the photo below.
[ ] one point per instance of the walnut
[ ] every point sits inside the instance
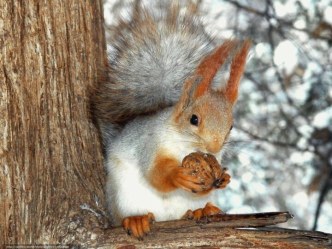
(206, 167)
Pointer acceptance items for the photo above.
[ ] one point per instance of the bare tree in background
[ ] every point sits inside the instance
(292, 95)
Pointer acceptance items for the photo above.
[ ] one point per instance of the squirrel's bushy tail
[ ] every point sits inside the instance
(150, 56)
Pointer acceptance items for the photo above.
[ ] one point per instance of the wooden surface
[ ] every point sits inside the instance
(220, 231)
(50, 156)
(199, 237)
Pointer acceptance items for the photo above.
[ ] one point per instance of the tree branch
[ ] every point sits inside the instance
(323, 193)
(220, 231)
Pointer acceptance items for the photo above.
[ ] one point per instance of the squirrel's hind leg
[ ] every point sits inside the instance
(138, 226)
(200, 213)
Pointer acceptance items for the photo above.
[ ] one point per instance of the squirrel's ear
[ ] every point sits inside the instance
(210, 65)
(187, 95)
(236, 72)
(199, 83)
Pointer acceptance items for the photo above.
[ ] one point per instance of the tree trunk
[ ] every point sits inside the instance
(50, 156)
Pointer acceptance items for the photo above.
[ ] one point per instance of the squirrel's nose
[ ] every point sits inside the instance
(214, 146)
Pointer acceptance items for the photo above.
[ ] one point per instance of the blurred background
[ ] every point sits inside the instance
(280, 151)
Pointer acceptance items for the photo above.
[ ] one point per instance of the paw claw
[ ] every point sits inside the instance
(138, 226)
(202, 213)
(189, 215)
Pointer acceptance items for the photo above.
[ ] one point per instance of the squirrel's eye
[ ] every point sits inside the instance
(231, 128)
(194, 120)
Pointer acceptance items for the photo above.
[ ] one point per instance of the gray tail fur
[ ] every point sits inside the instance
(150, 56)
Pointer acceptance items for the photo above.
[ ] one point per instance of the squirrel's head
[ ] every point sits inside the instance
(205, 114)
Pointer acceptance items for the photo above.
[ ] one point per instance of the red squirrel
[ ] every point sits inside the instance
(164, 96)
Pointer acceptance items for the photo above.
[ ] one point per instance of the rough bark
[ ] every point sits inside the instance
(220, 231)
(50, 157)
(227, 237)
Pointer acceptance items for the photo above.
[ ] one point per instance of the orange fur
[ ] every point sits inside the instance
(168, 175)
(163, 172)
(237, 69)
(138, 225)
(205, 72)
(208, 68)
(200, 213)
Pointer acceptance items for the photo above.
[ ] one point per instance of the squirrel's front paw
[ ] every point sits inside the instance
(222, 179)
(191, 180)
(138, 226)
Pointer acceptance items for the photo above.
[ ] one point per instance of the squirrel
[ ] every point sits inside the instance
(164, 95)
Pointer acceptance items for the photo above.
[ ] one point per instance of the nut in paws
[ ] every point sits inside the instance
(206, 167)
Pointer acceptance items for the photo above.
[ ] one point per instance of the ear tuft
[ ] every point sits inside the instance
(210, 65)
(236, 72)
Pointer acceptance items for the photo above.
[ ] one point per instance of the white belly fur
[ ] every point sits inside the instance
(130, 194)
